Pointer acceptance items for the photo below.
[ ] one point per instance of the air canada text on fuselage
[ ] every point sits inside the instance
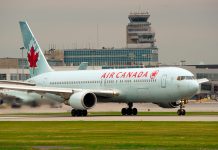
(129, 74)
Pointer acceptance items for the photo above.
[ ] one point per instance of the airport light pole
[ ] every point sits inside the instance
(22, 48)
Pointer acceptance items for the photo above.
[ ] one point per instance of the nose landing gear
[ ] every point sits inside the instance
(181, 111)
(129, 111)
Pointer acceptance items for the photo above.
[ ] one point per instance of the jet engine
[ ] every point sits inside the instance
(82, 100)
(169, 104)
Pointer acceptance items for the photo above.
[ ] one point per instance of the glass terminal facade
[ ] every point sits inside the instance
(112, 57)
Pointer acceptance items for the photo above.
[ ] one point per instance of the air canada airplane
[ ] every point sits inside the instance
(169, 87)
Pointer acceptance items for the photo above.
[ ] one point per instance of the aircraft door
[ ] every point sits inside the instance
(163, 81)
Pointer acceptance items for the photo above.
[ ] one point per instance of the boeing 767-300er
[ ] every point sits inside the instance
(168, 87)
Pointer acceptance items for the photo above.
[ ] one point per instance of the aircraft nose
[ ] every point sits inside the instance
(194, 87)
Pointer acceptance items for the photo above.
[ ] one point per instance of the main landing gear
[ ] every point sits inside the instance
(181, 111)
(129, 111)
(77, 112)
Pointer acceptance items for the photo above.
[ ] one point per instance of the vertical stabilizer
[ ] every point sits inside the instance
(35, 57)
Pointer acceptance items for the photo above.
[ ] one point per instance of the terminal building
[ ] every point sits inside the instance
(208, 89)
(112, 58)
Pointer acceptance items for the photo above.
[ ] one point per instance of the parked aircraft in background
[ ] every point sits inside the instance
(169, 87)
(83, 66)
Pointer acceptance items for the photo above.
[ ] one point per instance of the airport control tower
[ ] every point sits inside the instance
(140, 51)
(139, 32)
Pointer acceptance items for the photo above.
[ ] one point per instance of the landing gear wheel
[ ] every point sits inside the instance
(73, 112)
(124, 111)
(129, 111)
(77, 112)
(134, 111)
(84, 112)
(181, 112)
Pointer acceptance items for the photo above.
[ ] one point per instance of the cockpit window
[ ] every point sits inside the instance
(179, 78)
(185, 78)
(189, 77)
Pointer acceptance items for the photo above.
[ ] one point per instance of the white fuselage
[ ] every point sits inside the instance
(133, 85)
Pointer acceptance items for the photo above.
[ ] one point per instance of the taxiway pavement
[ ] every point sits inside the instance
(110, 118)
(8, 114)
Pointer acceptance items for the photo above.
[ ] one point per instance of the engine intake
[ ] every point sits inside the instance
(82, 100)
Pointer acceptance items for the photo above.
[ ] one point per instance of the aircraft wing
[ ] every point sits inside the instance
(11, 95)
(16, 82)
(202, 80)
(63, 92)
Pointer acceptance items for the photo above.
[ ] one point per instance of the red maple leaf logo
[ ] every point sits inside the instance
(154, 74)
(32, 57)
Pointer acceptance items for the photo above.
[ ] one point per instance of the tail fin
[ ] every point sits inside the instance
(37, 62)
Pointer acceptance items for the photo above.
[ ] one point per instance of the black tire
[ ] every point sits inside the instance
(79, 113)
(73, 112)
(179, 112)
(129, 111)
(134, 111)
(183, 112)
(124, 111)
(84, 112)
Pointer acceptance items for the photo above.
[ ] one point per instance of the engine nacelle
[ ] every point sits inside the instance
(169, 104)
(82, 100)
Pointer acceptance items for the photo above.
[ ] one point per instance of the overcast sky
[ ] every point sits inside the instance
(185, 29)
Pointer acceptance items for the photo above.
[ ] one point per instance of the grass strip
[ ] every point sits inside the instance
(109, 135)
